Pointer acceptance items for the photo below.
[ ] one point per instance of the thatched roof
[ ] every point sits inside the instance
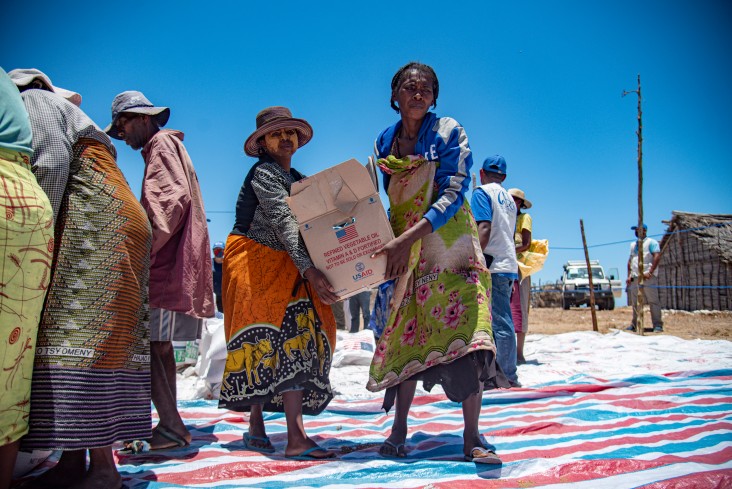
(714, 230)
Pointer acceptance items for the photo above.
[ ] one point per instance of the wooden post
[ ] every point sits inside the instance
(589, 274)
(639, 243)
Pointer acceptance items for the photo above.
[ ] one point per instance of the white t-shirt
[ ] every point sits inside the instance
(650, 246)
(492, 203)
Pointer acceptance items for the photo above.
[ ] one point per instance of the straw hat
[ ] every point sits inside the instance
(273, 118)
(24, 76)
(519, 194)
(134, 102)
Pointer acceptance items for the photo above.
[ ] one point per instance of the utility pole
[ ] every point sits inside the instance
(589, 276)
(639, 242)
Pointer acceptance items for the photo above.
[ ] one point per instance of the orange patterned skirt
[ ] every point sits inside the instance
(279, 335)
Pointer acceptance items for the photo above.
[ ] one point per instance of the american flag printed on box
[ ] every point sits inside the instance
(347, 233)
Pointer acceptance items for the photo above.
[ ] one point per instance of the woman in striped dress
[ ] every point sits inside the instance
(91, 379)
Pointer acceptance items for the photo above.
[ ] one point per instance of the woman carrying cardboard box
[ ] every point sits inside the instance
(280, 334)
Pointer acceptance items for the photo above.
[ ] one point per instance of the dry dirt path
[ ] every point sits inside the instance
(708, 325)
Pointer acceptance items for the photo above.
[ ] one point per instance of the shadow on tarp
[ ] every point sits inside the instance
(637, 431)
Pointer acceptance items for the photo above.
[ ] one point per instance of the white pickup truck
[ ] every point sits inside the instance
(576, 285)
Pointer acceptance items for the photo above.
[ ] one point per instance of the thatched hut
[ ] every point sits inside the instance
(696, 260)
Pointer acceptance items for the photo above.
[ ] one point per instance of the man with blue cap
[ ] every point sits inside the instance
(495, 213)
(651, 257)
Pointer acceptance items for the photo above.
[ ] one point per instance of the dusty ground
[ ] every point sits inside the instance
(708, 325)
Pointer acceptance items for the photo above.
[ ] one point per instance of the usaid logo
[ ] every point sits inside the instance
(361, 272)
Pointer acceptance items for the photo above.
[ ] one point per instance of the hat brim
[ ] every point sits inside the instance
(304, 133)
(161, 114)
(527, 203)
(24, 79)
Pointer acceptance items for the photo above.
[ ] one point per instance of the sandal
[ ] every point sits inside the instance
(482, 455)
(308, 454)
(267, 448)
(397, 450)
(176, 440)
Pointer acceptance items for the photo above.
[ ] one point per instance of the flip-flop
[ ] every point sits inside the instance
(175, 438)
(483, 456)
(307, 454)
(399, 450)
(262, 439)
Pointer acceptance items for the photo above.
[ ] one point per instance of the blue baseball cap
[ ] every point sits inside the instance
(218, 244)
(495, 164)
(636, 227)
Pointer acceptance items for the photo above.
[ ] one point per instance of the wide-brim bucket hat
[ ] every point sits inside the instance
(134, 102)
(23, 77)
(519, 194)
(273, 118)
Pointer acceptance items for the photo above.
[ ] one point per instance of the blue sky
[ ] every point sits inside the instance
(539, 82)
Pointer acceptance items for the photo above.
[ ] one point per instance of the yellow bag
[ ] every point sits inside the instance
(532, 260)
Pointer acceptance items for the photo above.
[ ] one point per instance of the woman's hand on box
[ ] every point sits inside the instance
(321, 285)
(397, 250)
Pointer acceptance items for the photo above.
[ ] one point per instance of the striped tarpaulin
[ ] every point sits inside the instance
(651, 431)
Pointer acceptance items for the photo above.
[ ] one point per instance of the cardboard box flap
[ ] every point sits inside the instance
(342, 188)
(342, 221)
(344, 198)
(308, 199)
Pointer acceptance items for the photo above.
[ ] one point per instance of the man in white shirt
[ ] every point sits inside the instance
(651, 257)
(495, 213)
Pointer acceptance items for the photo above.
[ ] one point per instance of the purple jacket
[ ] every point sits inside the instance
(180, 267)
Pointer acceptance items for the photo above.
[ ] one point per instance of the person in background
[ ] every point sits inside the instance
(360, 308)
(439, 330)
(651, 257)
(339, 314)
(495, 213)
(26, 238)
(181, 282)
(521, 294)
(280, 332)
(217, 263)
(91, 379)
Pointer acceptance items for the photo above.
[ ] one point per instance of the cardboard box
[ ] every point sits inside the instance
(342, 222)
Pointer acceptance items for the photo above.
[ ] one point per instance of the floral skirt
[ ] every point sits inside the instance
(441, 310)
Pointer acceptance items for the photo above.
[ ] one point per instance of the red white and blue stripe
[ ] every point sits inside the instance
(650, 431)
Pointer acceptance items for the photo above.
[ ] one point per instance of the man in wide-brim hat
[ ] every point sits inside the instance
(181, 278)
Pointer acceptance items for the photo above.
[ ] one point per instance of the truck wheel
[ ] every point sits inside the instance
(565, 304)
(611, 303)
